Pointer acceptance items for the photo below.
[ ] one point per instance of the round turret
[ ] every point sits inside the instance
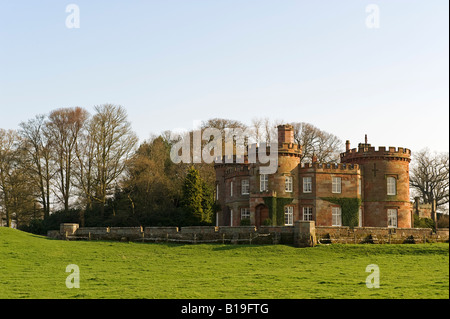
(385, 172)
(385, 183)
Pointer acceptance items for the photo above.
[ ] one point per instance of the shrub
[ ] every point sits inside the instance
(368, 240)
(410, 240)
(424, 223)
(245, 222)
(326, 239)
(36, 226)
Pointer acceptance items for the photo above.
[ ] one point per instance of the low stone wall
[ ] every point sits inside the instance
(378, 235)
(302, 234)
(126, 233)
(442, 233)
(93, 232)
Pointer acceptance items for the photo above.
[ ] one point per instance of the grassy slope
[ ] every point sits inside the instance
(34, 267)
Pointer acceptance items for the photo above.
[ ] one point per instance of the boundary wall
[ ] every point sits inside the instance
(302, 234)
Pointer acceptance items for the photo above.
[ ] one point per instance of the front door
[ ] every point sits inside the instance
(261, 214)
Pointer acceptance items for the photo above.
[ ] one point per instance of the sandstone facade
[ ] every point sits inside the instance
(378, 178)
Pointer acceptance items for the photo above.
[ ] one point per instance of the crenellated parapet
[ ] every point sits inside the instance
(331, 166)
(234, 170)
(366, 151)
(286, 141)
(289, 149)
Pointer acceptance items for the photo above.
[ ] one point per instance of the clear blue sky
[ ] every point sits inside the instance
(169, 62)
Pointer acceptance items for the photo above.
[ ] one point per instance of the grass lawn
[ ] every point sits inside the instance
(34, 267)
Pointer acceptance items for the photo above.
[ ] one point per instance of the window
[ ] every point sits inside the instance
(289, 215)
(307, 184)
(360, 217)
(231, 189)
(231, 217)
(336, 216)
(245, 213)
(392, 218)
(359, 187)
(245, 187)
(336, 185)
(391, 186)
(217, 192)
(307, 213)
(288, 184)
(264, 182)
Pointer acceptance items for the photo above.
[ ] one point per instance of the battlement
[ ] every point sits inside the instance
(285, 134)
(237, 170)
(331, 166)
(368, 151)
(290, 149)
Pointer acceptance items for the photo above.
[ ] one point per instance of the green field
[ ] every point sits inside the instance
(35, 267)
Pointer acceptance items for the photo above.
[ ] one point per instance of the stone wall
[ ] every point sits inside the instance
(378, 235)
(302, 234)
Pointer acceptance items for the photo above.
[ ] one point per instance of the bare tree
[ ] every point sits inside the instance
(38, 146)
(7, 141)
(227, 128)
(328, 147)
(429, 177)
(85, 172)
(64, 127)
(257, 129)
(325, 146)
(16, 191)
(110, 144)
(268, 134)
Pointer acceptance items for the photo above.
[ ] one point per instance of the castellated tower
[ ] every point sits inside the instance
(280, 185)
(385, 185)
(288, 161)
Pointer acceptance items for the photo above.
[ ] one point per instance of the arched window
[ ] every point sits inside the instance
(391, 186)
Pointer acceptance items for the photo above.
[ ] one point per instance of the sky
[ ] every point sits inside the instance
(173, 62)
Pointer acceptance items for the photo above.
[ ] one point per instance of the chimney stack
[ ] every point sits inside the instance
(347, 145)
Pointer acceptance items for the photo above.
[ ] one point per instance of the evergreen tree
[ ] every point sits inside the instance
(193, 196)
(208, 203)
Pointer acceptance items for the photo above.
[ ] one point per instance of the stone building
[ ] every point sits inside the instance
(423, 210)
(369, 187)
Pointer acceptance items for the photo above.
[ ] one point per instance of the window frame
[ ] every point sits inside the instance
(288, 215)
(336, 188)
(306, 183)
(336, 211)
(245, 189)
(245, 211)
(263, 182)
(392, 212)
(360, 213)
(307, 211)
(391, 186)
(288, 184)
(231, 217)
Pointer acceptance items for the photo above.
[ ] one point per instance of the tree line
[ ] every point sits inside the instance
(65, 159)
(73, 166)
